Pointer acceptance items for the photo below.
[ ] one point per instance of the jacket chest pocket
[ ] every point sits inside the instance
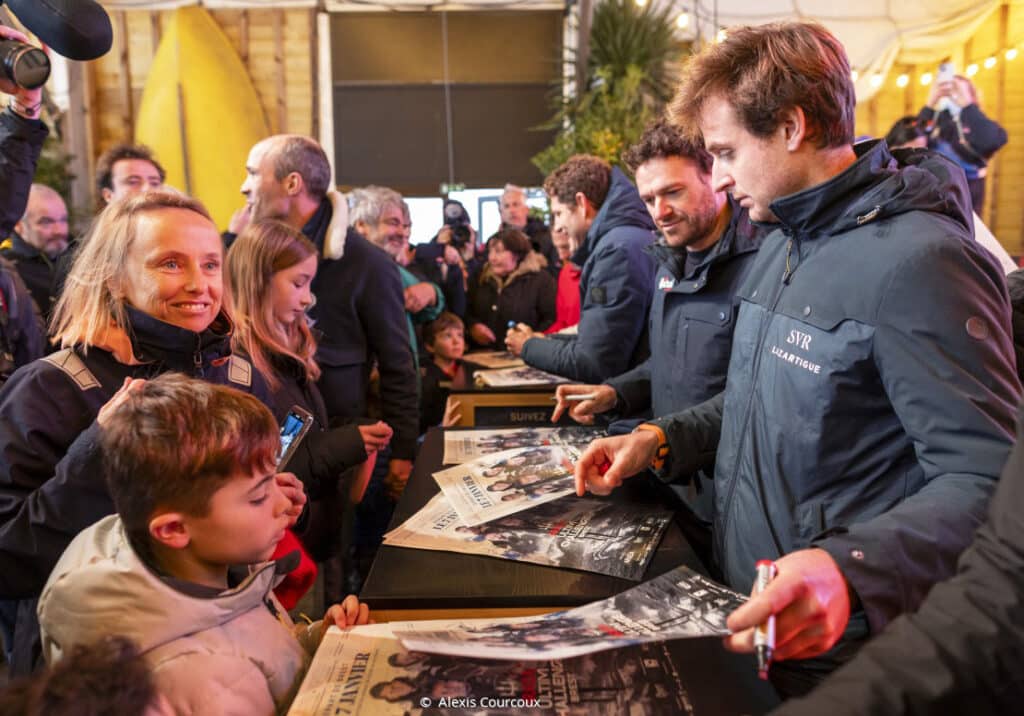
(704, 339)
(812, 353)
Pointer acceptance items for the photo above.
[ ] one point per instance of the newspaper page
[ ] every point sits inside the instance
(508, 482)
(678, 604)
(464, 445)
(365, 670)
(516, 377)
(572, 532)
(494, 359)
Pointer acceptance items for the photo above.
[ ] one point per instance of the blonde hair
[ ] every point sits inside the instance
(93, 296)
(263, 249)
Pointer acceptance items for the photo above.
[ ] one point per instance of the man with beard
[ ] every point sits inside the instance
(706, 250)
(360, 304)
(39, 240)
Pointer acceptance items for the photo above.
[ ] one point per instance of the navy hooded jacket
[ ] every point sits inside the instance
(615, 293)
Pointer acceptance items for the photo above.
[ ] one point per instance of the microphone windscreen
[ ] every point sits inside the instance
(76, 29)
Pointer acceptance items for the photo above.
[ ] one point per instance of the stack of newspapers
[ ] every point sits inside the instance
(513, 497)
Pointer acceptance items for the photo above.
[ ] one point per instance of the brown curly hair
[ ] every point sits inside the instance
(581, 173)
(661, 140)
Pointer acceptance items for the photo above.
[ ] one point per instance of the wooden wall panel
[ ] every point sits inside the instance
(281, 71)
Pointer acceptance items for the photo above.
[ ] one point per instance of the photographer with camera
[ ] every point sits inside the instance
(21, 131)
(441, 262)
(958, 129)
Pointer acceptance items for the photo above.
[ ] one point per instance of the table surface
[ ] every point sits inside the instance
(403, 578)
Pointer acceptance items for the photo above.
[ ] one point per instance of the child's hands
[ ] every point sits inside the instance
(349, 613)
(376, 436)
(292, 488)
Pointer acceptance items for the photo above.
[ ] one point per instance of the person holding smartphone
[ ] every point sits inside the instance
(958, 129)
(271, 268)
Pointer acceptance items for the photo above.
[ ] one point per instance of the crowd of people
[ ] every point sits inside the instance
(803, 336)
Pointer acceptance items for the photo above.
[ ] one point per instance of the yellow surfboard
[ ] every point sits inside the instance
(200, 112)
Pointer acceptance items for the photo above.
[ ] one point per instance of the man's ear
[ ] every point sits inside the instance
(794, 128)
(293, 184)
(582, 202)
(20, 228)
(106, 194)
(170, 530)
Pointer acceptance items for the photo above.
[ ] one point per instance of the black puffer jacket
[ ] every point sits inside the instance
(869, 406)
(961, 652)
(21, 141)
(527, 295)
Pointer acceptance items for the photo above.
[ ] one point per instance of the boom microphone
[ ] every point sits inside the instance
(76, 29)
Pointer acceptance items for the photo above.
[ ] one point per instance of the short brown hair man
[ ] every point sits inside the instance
(871, 394)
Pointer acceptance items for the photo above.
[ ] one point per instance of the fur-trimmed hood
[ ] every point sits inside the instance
(334, 240)
(531, 263)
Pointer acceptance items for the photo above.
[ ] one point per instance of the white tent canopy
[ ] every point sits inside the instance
(876, 33)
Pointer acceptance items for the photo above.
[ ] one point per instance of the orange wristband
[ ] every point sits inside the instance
(662, 453)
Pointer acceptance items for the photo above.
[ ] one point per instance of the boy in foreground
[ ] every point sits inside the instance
(182, 568)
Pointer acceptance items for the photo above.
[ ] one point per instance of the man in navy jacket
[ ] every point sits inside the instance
(599, 207)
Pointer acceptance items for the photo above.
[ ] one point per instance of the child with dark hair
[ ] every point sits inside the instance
(105, 677)
(445, 341)
(183, 568)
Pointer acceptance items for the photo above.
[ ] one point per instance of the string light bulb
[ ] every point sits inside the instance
(854, 75)
(903, 80)
(926, 79)
(1011, 54)
(972, 69)
(640, 3)
(876, 80)
(990, 62)
(683, 21)
(721, 35)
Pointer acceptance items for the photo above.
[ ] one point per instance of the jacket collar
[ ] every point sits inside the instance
(154, 341)
(332, 213)
(531, 263)
(877, 186)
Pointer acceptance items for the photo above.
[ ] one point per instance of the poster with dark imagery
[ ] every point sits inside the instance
(678, 604)
(516, 377)
(466, 445)
(365, 670)
(572, 532)
(508, 482)
(494, 359)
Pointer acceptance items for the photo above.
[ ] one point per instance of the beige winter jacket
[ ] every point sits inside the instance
(226, 654)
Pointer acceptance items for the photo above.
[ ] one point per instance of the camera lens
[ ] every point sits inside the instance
(24, 65)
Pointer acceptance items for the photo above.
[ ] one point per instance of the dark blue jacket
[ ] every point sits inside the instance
(360, 310)
(870, 400)
(615, 293)
(690, 327)
(51, 473)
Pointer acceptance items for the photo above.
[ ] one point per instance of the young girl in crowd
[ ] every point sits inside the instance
(271, 267)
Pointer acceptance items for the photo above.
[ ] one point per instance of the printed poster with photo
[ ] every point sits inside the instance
(516, 377)
(508, 482)
(465, 445)
(678, 604)
(366, 670)
(583, 533)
